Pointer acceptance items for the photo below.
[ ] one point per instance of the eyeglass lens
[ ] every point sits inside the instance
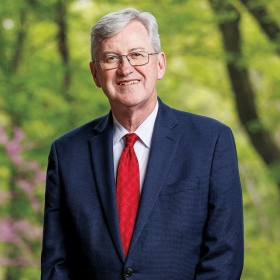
(112, 61)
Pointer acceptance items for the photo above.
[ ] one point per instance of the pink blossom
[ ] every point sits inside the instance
(18, 134)
(19, 262)
(11, 230)
(41, 176)
(28, 176)
(6, 262)
(7, 233)
(29, 230)
(33, 165)
(28, 188)
(4, 195)
(14, 149)
(3, 136)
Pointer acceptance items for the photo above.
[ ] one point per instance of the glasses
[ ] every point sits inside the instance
(112, 61)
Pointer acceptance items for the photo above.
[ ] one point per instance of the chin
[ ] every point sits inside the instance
(131, 99)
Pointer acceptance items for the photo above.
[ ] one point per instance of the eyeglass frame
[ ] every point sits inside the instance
(121, 59)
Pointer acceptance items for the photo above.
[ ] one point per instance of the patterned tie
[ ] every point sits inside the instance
(128, 190)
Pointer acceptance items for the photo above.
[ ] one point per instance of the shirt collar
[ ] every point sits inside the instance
(144, 131)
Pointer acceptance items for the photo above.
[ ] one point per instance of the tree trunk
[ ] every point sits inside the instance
(63, 47)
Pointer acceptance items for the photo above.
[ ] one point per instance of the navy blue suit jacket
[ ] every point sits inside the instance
(189, 223)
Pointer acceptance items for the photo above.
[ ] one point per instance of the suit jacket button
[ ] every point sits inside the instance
(128, 272)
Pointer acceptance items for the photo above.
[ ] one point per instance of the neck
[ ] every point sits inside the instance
(131, 118)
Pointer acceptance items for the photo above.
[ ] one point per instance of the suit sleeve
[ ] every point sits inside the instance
(53, 260)
(223, 246)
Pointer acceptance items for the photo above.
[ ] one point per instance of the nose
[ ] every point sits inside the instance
(121, 58)
(125, 67)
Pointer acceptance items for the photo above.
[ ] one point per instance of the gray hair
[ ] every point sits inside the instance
(113, 23)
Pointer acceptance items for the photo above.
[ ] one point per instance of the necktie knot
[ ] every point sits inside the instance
(130, 138)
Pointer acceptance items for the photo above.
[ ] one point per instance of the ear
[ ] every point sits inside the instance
(93, 71)
(161, 65)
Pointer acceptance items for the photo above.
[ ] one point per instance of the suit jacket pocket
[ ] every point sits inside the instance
(187, 184)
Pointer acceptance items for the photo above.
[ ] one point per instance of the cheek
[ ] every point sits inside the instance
(106, 82)
(109, 76)
(152, 77)
(153, 73)
(101, 79)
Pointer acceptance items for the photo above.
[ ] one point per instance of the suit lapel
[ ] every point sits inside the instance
(164, 145)
(101, 147)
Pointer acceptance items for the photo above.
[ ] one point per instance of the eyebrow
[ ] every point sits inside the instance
(131, 50)
(136, 49)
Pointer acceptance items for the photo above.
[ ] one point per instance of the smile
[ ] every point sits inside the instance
(128, 82)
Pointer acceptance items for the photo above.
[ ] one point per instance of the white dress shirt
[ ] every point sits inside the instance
(141, 147)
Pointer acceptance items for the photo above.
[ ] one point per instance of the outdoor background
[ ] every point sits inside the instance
(223, 61)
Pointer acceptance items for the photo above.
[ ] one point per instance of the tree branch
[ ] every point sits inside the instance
(269, 26)
(229, 18)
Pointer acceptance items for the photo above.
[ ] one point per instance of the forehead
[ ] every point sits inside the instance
(133, 36)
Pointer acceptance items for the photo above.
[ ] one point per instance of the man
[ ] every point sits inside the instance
(182, 218)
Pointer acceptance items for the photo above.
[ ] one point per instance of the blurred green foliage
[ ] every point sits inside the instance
(33, 97)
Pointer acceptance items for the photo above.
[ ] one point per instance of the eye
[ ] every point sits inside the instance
(111, 58)
(136, 55)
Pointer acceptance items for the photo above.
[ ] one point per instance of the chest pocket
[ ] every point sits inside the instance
(180, 186)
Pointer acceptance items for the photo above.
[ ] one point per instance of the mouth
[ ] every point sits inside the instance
(126, 83)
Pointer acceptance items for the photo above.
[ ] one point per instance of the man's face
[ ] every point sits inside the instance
(129, 86)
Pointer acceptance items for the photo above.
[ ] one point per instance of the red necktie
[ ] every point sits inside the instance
(128, 190)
